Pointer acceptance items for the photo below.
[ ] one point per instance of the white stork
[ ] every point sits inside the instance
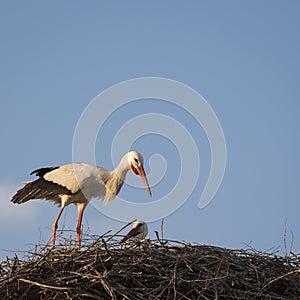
(78, 184)
(138, 232)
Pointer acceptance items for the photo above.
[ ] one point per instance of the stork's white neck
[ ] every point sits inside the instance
(123, 167)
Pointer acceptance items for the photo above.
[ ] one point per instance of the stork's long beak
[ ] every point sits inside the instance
(141, 172)
(131, 233)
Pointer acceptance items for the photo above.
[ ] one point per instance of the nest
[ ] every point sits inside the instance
(160, 269)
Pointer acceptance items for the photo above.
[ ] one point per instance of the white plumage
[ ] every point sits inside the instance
(138, 232)
(79, 183)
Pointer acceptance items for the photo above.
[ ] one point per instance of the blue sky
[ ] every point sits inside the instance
(241, 56)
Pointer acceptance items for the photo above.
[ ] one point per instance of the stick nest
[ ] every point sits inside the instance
(102, 269)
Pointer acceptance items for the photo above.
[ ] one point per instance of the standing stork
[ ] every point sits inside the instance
(78, 184)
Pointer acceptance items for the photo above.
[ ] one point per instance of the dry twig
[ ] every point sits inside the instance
(102, 269)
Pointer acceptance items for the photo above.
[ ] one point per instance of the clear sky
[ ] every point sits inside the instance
(243, 57)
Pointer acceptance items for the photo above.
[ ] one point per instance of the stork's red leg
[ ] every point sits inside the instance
(54, 226)
(81, 208)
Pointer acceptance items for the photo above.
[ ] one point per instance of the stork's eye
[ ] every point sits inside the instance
(136, 160)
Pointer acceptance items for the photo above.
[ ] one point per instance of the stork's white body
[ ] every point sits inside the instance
(84, 180)
(78, 184)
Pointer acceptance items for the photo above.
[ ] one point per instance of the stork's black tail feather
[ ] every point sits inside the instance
(39, 189)
(42, 171)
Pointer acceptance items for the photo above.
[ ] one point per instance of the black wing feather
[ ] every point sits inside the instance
(39, 189)
(42, 171)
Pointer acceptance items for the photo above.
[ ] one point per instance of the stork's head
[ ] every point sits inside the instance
(136, 161)
(138, 232)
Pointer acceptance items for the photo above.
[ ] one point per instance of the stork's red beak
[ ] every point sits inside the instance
(140, 171)
(132, 232)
